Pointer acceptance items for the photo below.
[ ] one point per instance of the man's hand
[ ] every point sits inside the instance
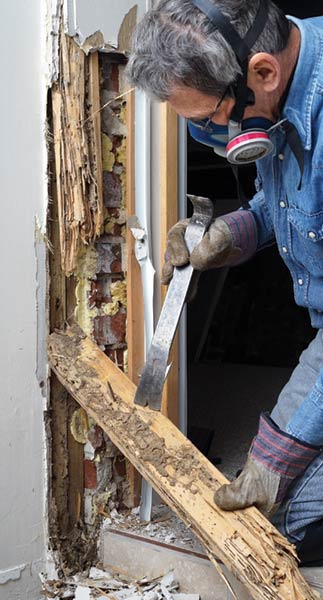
(274, 461)
(215, 250)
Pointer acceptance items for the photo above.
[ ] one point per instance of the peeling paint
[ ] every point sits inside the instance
(12, 574)
(108, 158)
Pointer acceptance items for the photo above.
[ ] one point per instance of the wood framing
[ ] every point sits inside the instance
(251, 548)
(168, 217)
(135, 301)
(67, 454)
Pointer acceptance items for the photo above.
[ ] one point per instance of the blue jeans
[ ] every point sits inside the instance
(304, 502)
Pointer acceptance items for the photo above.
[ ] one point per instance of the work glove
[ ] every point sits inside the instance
(275, 460)
(215, 250)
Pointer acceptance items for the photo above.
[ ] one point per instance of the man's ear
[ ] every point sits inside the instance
(264, 72)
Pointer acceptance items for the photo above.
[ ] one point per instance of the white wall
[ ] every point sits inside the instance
(22, 322)
(85, 18)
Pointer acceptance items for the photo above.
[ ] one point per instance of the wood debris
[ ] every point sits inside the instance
(100, 584)
(77, 149)
(250, 547)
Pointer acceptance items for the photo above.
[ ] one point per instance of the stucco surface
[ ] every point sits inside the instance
(22, 306)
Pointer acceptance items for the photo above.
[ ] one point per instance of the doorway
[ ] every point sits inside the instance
(245, 332)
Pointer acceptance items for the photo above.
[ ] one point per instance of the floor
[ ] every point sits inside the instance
(227, 399)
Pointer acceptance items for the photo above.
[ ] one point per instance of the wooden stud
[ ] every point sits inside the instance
(67, 454)
(245, 541)
(95, 143)
(135, 302)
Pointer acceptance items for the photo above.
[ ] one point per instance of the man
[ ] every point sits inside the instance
(250, 83)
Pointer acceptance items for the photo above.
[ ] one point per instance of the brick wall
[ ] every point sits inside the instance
(101, 297)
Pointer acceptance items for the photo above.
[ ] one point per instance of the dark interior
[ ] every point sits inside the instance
(245, 332)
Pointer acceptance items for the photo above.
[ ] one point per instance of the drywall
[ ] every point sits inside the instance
(22, 298)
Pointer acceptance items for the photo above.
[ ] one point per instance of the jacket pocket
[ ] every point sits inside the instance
(307, 239)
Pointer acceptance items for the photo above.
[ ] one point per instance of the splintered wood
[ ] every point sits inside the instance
(251, 548)
(77, 149)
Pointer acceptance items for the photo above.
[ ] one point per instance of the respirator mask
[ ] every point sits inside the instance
(251, 143)
(242, 141)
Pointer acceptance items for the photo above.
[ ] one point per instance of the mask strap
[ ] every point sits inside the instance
(296, 146)
(222, 23)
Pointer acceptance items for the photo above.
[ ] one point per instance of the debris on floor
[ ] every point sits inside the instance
(99, 585)
(164, 527)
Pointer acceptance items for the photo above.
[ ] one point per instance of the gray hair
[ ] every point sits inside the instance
(176, 44)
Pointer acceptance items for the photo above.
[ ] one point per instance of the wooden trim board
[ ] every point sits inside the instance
(135, 301)
(250, 547)
(168, 217)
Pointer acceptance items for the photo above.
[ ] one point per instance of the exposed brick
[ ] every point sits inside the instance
(109, 257)
(118, 326)
(112, 193)
(96, 437)
(110, 329)
(101, 289)
(90, 478)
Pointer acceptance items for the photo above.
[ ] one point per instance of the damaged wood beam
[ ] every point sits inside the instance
(77, 150)
(245, 541)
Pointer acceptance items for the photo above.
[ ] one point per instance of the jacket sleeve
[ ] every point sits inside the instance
(264, 224)
(251, 229)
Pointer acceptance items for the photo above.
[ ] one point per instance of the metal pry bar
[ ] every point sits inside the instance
(152, 379)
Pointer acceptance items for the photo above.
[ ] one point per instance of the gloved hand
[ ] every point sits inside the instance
(216, 248)
(274, 461)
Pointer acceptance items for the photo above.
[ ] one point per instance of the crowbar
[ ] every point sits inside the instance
(151, 382)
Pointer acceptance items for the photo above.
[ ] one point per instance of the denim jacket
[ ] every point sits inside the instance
(291, 216)
(290, 213)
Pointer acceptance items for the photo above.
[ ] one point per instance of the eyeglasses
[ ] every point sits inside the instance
(204, 124)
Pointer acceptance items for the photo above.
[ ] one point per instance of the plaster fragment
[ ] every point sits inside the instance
(89, 451)
(82, 593)
(12, 574)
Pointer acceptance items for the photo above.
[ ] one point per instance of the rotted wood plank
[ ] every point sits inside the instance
(251, 548)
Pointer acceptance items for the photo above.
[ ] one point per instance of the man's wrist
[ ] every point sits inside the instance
(243, 230)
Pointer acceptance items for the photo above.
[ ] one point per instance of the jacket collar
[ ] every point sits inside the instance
(298, 105)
